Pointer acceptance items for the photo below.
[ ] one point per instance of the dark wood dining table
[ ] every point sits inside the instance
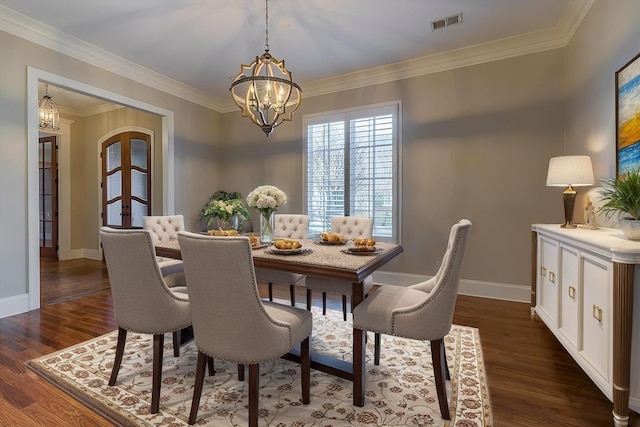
(323, 260)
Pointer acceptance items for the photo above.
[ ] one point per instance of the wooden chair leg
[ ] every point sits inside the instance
(292, 291)
(122, 339)
(305, 370)
(437, 355)
(344, 308)
(376, 348)
(446, 365)
(309, 297)
(270, 291)
(158, 343)
(176, 342)
(240, 372)
(254, 385)
(212, 370)
(197, 389)
(324, 303)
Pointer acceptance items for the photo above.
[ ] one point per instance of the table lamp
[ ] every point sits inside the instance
(569, 171)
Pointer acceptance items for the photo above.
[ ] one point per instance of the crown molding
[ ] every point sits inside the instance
(87, 112)
(39, 33)
(539, 41)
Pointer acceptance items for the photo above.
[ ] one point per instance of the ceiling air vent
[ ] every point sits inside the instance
(445, 22)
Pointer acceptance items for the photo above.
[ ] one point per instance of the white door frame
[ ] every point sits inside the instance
(35, 75)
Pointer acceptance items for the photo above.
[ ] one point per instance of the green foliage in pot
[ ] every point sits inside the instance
(622, 195)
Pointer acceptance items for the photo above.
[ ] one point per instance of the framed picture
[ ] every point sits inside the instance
(628, 116)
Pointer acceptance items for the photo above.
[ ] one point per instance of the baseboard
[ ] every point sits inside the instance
(80, 253)
(13, 305)
(477, 288)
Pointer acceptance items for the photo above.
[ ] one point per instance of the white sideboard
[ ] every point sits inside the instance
(583, 285)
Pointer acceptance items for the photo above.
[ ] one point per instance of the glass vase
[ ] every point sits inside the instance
(267, 225)
(224, 224)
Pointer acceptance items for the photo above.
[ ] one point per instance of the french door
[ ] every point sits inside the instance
(48, 196)
(126, 180)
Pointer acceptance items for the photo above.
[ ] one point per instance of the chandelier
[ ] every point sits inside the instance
(264, 90)
(48, 112)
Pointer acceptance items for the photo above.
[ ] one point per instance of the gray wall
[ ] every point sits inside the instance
(197, 131)
(608, 38)
(476, 144)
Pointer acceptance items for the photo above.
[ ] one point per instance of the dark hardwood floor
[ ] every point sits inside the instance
(532, 379)
(61, 280)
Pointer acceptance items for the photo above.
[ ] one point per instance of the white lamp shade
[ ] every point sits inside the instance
(565, 171)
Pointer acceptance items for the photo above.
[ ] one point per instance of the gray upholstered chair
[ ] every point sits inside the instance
(142, 301)
(287, 226)
(351, 227)
(423, 311)
(230, 321)
(163, 229)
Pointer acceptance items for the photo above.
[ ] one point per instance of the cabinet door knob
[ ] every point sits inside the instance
(572, 292)
(597, 313)
(543, 271)
(552, 277)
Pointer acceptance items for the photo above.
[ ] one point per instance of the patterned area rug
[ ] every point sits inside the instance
(399, 392)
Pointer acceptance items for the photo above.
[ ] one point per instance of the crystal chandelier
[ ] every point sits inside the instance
(264, 90)
(48, 112)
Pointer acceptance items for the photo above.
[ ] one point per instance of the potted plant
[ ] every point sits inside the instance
(227, 208)
(622, 196)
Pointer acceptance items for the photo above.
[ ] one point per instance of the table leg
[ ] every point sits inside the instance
(357, 296)
(623, 278)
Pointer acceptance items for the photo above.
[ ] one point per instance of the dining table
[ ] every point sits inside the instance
(316, 258)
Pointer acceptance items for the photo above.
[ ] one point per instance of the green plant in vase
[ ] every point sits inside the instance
(622, 196)
(225, 207)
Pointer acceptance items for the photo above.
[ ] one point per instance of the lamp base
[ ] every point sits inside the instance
(569, 225)
(569, 200)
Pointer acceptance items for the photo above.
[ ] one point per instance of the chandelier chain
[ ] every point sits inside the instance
(266, 26)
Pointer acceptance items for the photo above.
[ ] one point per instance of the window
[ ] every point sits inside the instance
(352, 167)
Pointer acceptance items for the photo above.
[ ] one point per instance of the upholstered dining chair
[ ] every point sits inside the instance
(231, 322)
(351, 227)
(164, 229)
(142, 301)
(423, 311)
(287, 226)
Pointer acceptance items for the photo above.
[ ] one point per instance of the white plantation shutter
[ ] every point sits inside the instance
(325, 174)
(352, 168)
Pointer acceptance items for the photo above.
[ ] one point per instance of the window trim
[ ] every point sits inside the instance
(346, 115)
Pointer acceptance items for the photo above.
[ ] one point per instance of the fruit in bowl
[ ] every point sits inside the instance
(334, 238)
(223, 232)
(360, 241)
(287, 244)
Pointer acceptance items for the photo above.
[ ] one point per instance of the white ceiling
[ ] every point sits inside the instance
(196, 46)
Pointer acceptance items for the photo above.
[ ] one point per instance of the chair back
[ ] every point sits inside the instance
(442, 298)
(352, 227)
(290, 226)
(142, 302)
(163, 228)
(228, 317)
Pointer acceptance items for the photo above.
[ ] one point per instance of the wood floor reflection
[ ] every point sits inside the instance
(63, 280)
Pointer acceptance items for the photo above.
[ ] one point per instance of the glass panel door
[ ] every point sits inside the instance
(126, 168)
(48, 197)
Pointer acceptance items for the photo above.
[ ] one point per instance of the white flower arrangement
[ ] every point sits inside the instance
(266, 199)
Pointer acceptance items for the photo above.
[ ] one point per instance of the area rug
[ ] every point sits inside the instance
(399, 392)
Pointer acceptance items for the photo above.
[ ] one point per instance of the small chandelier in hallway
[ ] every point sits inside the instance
(48, 112)
(264, 90)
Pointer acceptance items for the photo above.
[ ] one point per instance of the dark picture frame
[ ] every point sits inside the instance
(628, 117)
